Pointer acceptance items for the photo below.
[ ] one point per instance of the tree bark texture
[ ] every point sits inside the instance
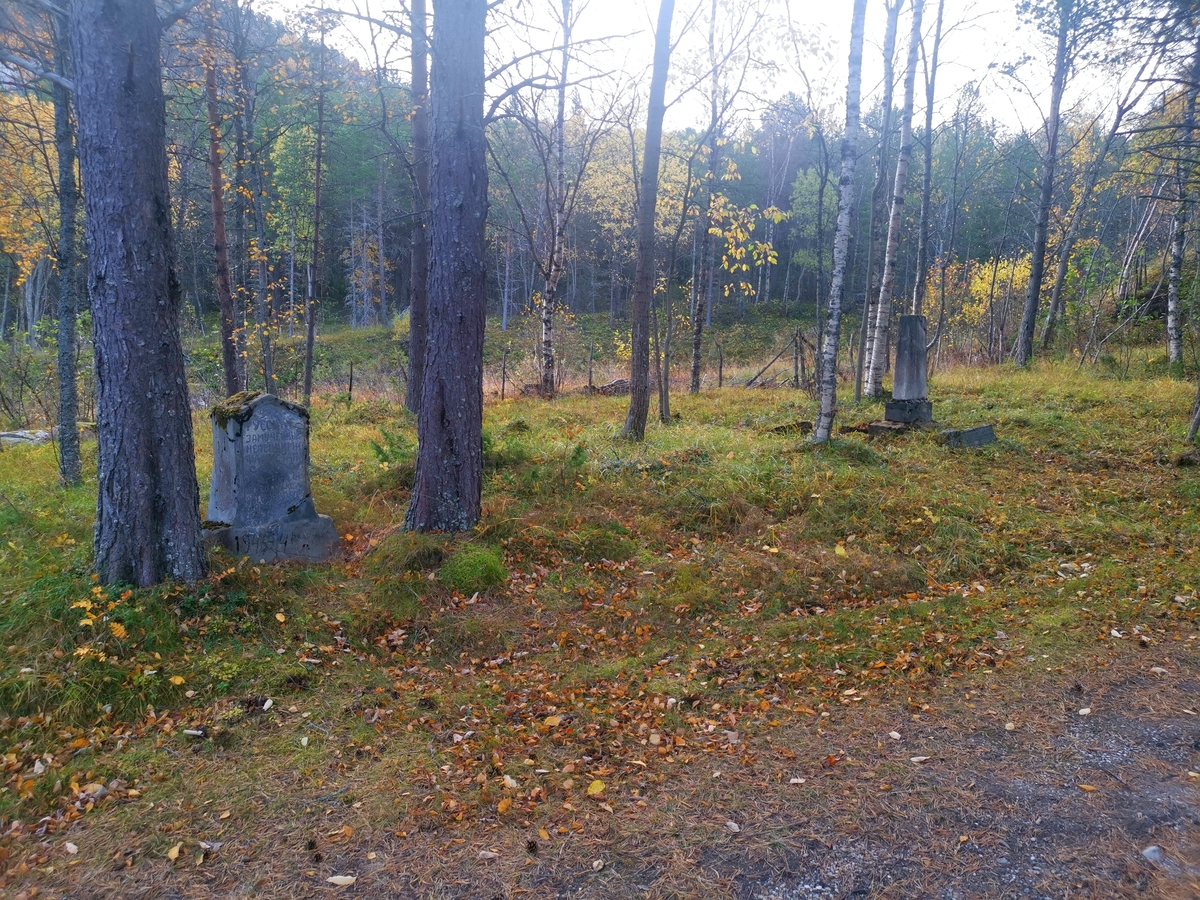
(418, 304)
(447, 492)
(556, 212)
(69, 466)
(1178, 236)
(1023, 351)
(841, 236)
(314, 270)
(877, 365)
(216, 183)
(702, 310)
(148, 508)
(866, 334)
(918, 297)
(643, 279)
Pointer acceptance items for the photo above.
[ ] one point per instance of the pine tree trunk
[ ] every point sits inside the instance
(448, 484)
(1023, 352)
(703, 306)
(379, 257)
(310, 300)
(262, 303)
(216, 182)
(877, 364)
(643, 281)
(841, 237)
(418, 309)
(70, 467)
(148, 508)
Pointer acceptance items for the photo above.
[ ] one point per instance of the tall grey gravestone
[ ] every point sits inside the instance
(260, 504)
(910, 391)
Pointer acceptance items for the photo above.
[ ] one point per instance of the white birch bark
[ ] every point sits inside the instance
(841, 238)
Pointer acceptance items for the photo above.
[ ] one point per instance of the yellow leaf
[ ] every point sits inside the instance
(280, 617)
(596, 788)
(177, 679)
(504, 805)
(551, 721)
(117, 629)
(1087, 787)
(173, 853)
(543, 834)
(839, 550)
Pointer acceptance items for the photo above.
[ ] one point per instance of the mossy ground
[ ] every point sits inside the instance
(690, 621)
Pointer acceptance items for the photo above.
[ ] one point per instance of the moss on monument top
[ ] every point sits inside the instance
(236, 408)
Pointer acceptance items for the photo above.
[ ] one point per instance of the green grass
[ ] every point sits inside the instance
(721, 556)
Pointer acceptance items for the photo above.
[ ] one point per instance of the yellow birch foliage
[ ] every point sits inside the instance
(28, 204)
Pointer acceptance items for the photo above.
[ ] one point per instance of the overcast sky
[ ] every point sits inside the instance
(980, 36)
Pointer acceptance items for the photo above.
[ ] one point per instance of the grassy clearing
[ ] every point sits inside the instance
(621, 612)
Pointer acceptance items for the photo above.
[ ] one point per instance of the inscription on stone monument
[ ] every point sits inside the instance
(260, 504)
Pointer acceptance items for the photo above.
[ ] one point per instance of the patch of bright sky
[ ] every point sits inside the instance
(805, 42)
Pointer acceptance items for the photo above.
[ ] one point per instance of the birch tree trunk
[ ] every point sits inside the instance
(1179, 225)
(557, 213)
(873, 381)
(866, 334)
(448, 484)
(918, 297)
(841, 236)
(148, 505)
(643, 281)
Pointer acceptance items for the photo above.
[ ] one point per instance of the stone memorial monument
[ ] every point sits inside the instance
(910, 391)
(260, 504)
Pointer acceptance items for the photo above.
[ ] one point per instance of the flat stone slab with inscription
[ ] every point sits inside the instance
(969, 437)
(260, 504)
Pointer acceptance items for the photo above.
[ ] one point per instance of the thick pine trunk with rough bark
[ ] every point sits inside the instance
(418, 304)
(448, 486)
(216, 184)
(841, 236)
(148, 509)
(643, 279)
(1023, 351)
(877, 364)
(69, 465)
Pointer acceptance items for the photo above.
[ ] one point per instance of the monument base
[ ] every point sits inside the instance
(308, 539)
(908, 411)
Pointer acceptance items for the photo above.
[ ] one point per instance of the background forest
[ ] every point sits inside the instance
(748, 193)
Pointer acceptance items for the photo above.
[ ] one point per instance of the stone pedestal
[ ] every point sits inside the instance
(260, 504)
(909, 412)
